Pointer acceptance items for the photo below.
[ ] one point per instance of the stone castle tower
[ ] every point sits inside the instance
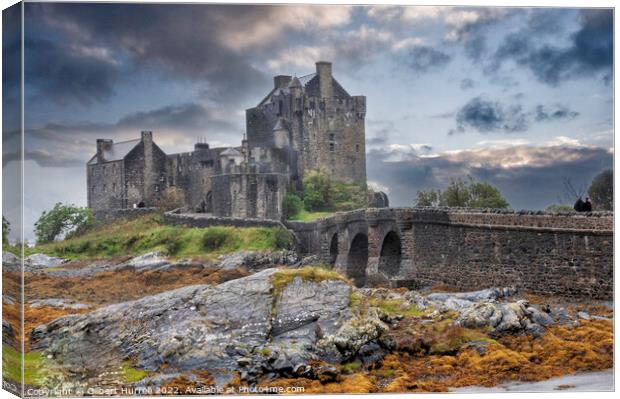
(316, 116)
(304, 123)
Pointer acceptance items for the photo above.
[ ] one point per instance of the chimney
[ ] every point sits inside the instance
(324, 70)
(147, 136)
(281, 81)
(102, 145)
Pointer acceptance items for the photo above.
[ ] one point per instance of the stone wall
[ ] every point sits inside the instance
(545, 253)
(111, 215)
(105, 185)
(202, 220)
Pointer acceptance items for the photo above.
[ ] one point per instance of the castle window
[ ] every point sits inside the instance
(104, 188)
(298, 103)
(357, 148)
(157, 188)
(311, 104)
(162, 178)
(332, 147)
(114, 187)
(280, 106)
(332, 136)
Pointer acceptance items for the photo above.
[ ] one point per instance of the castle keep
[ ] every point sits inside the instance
(304, 123)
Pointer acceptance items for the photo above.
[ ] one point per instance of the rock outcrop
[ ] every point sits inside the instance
(245, 324)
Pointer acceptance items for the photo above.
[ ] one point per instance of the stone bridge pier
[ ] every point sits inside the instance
(372, 247)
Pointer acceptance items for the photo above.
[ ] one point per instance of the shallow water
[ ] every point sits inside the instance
(594, 381)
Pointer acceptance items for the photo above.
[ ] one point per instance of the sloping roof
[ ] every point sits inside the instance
(310, 85)
(307, 78)
(116, 151)
(231, 151)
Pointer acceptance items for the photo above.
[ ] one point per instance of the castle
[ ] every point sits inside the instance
(304, 123)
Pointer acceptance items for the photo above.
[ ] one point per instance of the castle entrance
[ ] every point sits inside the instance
(357, 260)
(389, 260)
(208, 203)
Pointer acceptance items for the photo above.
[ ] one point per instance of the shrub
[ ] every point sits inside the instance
(214, 238)
(171, 198)
(294, 204)
(283, 239)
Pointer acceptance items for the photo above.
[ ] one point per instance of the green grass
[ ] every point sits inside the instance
(349, 368)
(131, 374)
(149, 233)
(394, 307)
(34, 366)
(307, 216)
(317, 274)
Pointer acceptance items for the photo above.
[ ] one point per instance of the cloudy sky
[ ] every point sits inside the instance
(519, 97)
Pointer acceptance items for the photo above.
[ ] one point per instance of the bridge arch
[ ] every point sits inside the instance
(390, 255)
(357, 259)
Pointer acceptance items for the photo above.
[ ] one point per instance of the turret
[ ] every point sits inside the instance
(281, 134)
(296, 92)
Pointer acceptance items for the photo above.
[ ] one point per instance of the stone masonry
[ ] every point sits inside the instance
(304, 123)
(569, 255)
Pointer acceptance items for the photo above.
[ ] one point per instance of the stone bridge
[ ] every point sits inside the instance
(545, 253)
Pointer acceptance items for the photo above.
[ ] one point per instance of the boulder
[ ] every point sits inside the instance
(149, 261)
(57, 303)
(505, 318)
(10, 262)
(257, 260)
(41, 261)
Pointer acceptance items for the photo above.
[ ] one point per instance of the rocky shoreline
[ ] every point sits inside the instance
(302, 324)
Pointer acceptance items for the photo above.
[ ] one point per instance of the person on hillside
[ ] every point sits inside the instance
(579, 205)
(587, 206)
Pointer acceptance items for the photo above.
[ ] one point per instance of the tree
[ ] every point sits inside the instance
(318, 190)
(63, 221)
(293, 205)
(428, 198)
(464, 193)
(484, 195)
(6, 229)
(601, 190)
(171, 198)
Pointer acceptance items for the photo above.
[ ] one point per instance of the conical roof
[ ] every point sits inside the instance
(280, 125)
(295, 82)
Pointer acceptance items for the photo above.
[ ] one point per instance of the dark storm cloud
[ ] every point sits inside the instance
(559, 112)
(66, 76)
(590, 51)
(178, 121)
(529, 177)
(427, 59)
(182, 41)
(487, 116)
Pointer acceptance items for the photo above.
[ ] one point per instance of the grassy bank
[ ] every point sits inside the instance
(149, 233)
(307, 216)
